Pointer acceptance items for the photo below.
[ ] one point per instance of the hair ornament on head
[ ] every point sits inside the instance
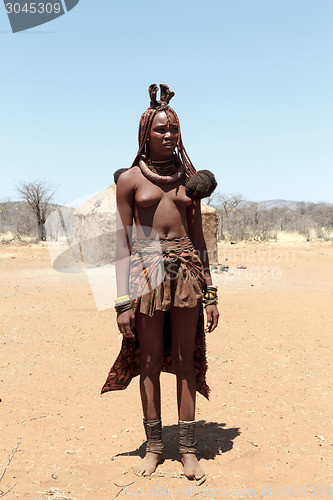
(166, 96)
(199, 184)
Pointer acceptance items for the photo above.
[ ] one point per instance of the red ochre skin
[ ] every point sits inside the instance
(171, 214)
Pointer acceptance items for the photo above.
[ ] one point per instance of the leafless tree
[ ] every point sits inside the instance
(225, 204)
(213, 199)
(230, 202)
(38, 194)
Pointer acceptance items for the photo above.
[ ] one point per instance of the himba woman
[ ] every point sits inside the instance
(163, 279)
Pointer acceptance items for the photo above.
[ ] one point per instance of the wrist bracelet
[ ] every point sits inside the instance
(123, 307)
(212, 302)
(210, 295)
(123, 298)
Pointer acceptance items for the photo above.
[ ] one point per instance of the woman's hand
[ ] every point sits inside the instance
(126, 321)
(212, 318)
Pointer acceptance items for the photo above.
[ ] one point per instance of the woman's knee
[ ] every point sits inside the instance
(151, 365)
(183, 366)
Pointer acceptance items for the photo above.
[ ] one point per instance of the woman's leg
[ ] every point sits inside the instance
(183, 326)
(150, 335)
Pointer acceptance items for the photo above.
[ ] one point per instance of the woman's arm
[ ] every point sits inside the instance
(194, 225)
(124, 224)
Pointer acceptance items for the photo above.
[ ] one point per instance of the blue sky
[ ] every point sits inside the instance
(253, 82)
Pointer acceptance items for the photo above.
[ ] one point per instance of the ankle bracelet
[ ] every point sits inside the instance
(153, 429)
(187, 441)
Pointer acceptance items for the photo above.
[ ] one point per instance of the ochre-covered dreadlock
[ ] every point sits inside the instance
(198, 184)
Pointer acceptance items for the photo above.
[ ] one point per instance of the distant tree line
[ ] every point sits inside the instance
(240, 220)
(16, 221)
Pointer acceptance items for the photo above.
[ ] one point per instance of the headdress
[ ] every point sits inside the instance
(166, 96)
(198, 184)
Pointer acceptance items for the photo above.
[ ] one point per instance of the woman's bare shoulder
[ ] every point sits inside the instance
(129, 178)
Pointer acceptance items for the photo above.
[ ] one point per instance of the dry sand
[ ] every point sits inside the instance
(267, 425)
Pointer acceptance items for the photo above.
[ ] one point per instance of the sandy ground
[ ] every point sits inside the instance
(266, 431)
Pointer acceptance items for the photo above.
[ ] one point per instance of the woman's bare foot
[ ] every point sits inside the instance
(192, 468)
(148, 464)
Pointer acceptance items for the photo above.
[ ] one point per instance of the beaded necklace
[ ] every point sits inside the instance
(162, 167)
(165, 172)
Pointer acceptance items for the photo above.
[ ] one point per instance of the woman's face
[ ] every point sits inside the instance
(164, 135)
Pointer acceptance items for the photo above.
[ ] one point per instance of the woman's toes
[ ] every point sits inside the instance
(192, 468)
(201, 480)
(148, 465)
